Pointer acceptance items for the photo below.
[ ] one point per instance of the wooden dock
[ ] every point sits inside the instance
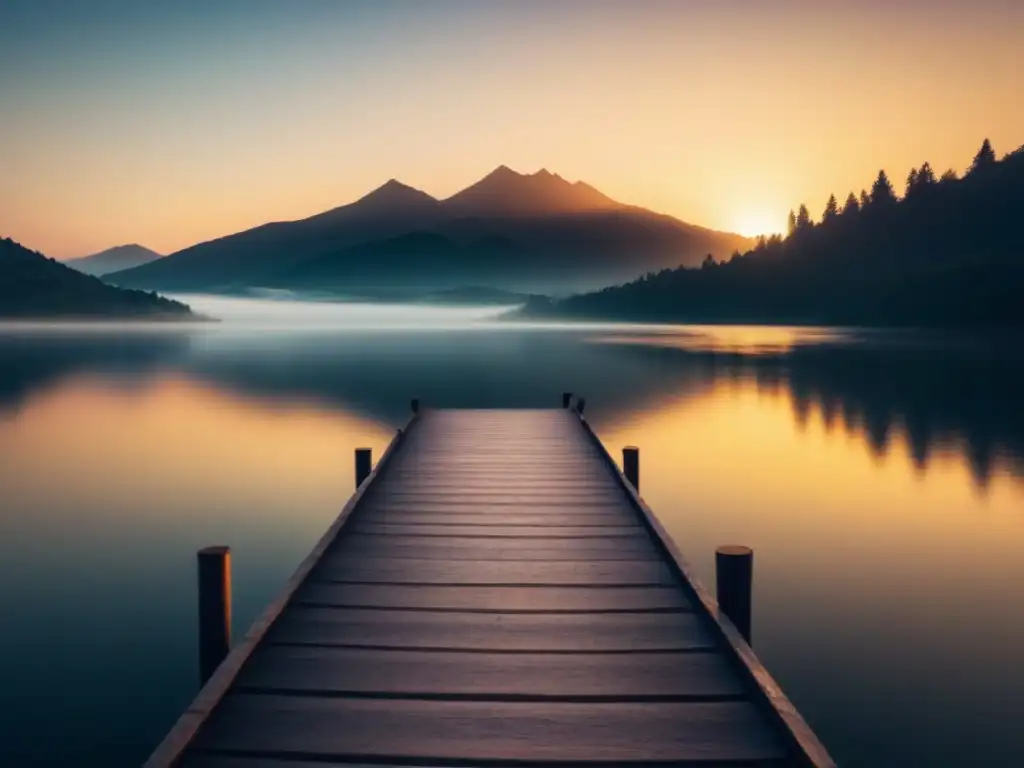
(494, 594)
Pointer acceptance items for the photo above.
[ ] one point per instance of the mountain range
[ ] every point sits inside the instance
(512, 231)
(113, 259)
(33, 286)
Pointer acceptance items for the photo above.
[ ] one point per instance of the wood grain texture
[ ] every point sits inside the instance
(627, 632)
(558, 519)
(520, 499)
(207, 760)
(502, 531)
(495, 599)
(425, 548)
(477, 548)
(294, 726)
(507, 481)
(337, 567)
(352, 671)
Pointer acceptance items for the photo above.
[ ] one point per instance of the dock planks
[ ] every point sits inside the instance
(493, 595)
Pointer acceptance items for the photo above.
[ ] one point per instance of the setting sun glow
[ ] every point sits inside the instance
(693, 109)
(754, 223)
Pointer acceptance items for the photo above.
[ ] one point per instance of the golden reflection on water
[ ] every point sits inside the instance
(160, 452)
(733, 464)
(735, 339)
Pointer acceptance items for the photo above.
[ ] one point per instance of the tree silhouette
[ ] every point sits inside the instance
(791, 223)
(881, 191)
(851, 206)
(949, 176)
(911, 181)
(985, 158)
(831, 210)
(925, 176)
(865, 201)
(803, 218)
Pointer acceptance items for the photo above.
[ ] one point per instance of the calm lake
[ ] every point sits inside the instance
(879, 477)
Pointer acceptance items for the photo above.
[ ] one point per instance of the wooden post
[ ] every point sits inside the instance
(581, 403)
(734, 577)
(214, 609)
(566, 399)
(631, 465)
(414, 404)
(364, 464)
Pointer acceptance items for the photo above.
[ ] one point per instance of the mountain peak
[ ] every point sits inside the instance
(395, 192)
(507, 192)
(502, 173)
(114, 259)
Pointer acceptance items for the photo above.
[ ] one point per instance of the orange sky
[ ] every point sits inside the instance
(171, 126)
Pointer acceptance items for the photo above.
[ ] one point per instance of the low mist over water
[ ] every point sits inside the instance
(279, 312)
(879, 477)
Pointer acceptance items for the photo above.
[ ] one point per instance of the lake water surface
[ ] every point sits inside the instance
(878, 475)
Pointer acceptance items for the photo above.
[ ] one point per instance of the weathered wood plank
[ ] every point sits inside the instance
(502, 531)
(354, 671)
(494, 599)
(426, 548)
(626, 632)
(512, 500)
(476, 548)
(207, 760)
(339, 567)
(300, 726)
(509, 467)
(509, 480)
(595, 520)
(386, 505)
(532, 498)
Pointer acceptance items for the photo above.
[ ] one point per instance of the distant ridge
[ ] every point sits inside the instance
(35, 287)
(114, 259)
(533, 233)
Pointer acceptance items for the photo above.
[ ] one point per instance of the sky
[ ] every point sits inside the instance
(171, 123)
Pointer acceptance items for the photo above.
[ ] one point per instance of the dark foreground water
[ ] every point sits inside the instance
(878, 476)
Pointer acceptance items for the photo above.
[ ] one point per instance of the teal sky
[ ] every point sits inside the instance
(174, 122)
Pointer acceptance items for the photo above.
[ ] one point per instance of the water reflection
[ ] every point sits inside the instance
(941, 394)
(31, 362)
(859, 465)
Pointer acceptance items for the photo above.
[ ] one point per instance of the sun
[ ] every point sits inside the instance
(754, 223)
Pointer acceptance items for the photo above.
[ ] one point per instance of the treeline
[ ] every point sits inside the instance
(948, 252)
(33, 286)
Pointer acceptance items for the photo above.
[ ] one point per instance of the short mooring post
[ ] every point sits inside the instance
(566, 399)
(414, 404)
(631, 465)
(734, 577)
(214, 609)
(364, 464)
(581, 403)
